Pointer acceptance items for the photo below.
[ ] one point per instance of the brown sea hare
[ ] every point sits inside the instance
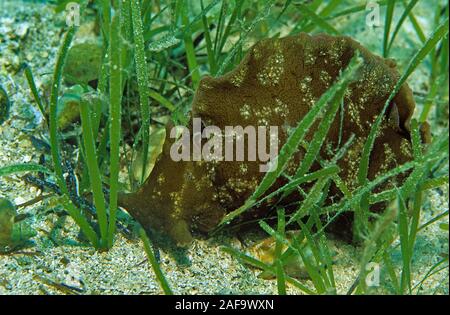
(276, 84)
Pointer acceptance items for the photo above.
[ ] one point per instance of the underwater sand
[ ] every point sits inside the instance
(31, 33)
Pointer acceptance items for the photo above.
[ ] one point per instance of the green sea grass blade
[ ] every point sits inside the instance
(189, 48)
(94, 172)
(209, 45)
(232, 53)
(387, 25)
(391, 193)
(281, 279)
(174, 37)
(402, 218)
(402, 19)
(54, 142)
(231, 22)
(354, 9)
(34, 91)
(312, 198)
(320, 135)
(318, 20)
(23, 167)
(154, 263)
(115, 112)
(142, 78)
(331, 170)
(56, 83)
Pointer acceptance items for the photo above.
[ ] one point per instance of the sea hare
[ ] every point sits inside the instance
(276, 84)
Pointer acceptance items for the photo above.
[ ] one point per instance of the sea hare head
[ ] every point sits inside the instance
(176, 197)
(276, 84)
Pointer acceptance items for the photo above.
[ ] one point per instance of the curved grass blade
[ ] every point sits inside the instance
(174, 37)
(247, 259)
(220, 24)
(21, 168)
(189, 48)
(402, 19)
(115, 112)
(260, 265)
(94, 172)
(281, 279)
(296, 247)
(436, 84)
(161, 99)
(415, 140)
(320, 135)
(326, 11)
(387, 25)
(154, 263)
(226, 33)
(313, 197)
(354, 9)
(439, 33)
(417, 27)
(34, 91)
(327, 171)
(402, 218)
(345, 204)
(142, 78)
(209, 46)
(434, 153)
(391, 193)
(54, 142)
(318, 20)
(433, 270)
(232, 53)
(433, 220)
(54, 137)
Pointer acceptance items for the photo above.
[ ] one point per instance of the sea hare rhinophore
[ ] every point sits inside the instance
(276, 84)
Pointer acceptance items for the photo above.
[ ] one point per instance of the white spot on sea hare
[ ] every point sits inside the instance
(161, 179)
(326, 78)
(281, 108)
(239, 77)
(245, 111)
(272, 71)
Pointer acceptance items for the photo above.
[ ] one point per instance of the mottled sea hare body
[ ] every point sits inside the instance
(276, 84)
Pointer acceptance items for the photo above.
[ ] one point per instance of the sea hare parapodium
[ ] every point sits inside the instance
(275, 85)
